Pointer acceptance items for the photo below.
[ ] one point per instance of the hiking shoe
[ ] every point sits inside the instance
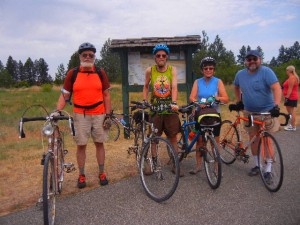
(81, 181)
(268, 178)
(290, 128)
(254, 171)
(102, 179)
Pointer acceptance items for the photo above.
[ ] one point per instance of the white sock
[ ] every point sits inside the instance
(256, 160)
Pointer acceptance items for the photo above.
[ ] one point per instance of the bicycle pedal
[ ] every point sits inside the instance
(65, 151)
(69, 167)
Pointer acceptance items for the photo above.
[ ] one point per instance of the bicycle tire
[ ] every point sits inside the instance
(60, 162)
(229, 138)
(181, 144)
(162, 181)
(138, 143)
(270, 160)
(212, 163)
(49, 190)
(114, 131)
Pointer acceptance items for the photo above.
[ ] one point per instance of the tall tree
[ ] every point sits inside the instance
(29, 72)
(282, 56)
(20, 71)
(11, 66)
(262, 54)
(1, 66)
(74, 61)
(6, 80)
(110, 61)
(241, 57)
(60, 75)
(273, 62)
(42, 69)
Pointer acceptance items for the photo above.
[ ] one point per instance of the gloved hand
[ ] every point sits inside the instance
(211, 99)
(236, 107)
(174, 106)
(275, 111)
(55, 113)
(107, 122)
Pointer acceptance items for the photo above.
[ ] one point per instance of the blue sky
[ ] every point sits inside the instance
(53, 29)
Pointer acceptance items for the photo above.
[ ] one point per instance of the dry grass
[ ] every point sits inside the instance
(20, 169)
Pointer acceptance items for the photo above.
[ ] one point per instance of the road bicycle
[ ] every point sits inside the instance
(269, 153)
(52, 160)
(158, 165)
(210, 150)
(117, 120)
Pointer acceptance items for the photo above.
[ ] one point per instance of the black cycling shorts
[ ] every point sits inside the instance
(291, 103)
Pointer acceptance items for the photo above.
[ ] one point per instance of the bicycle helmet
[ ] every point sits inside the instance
(207, 61)
(161, 47)
(86, 47)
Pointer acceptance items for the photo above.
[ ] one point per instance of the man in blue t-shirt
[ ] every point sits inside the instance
(257, 90)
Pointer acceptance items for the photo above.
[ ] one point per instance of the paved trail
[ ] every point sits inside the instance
(239, 200)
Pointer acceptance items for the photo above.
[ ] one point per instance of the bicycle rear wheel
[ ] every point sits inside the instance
(114, 131)
(161, 181)
(49, 190)
(271, 162)
(212, 163)
(229, 139)
(138, 144)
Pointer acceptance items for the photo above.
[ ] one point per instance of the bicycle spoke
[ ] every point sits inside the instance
(228, 141)
(212, 163)
(156, 173)
(271, 163)
(49, 189)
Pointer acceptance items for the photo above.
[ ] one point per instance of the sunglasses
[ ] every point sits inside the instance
(251, 59)
(161, 56)
(84, 55)
(208, 68)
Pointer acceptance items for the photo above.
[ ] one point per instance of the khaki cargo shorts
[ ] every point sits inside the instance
(89, 125)
(272, 123)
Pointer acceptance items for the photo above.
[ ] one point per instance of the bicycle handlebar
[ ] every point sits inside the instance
(43, 118)
(251, 123)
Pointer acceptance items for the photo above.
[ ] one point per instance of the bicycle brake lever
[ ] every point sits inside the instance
(21, 131)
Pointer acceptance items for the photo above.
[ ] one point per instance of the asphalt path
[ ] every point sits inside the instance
(239, 200)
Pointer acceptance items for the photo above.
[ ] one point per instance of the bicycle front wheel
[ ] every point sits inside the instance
(212, 163)
(159, 169)
(49, 189)
(271, 162)
(229, 139)
(60, 162)
(114, 131)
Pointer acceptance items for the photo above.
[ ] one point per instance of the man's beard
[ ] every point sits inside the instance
(87, 64)
(252, 67)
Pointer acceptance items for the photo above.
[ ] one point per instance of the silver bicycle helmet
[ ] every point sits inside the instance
(161, 47)
(86, 47)
(207, 61)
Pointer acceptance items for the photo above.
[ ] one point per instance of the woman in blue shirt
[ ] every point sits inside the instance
(203, 88)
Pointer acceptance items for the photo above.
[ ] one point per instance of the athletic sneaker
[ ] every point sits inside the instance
(102, 179)
(254, 171)
(81, 181)
(290, 128)
(268, 178)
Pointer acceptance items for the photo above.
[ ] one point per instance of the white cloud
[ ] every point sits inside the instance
(54, 29)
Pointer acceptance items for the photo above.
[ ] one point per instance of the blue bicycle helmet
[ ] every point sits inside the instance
(161, 47)
(86, 47)
(207, 61)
